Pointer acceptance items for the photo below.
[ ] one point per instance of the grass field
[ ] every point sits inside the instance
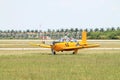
(41, 65)
(104, 66)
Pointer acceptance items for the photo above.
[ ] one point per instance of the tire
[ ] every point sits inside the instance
(73, 52)
(53, 52)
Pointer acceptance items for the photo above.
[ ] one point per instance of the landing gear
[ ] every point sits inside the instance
(53, 52)
(75, 51)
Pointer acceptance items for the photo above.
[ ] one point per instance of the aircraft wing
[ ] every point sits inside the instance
(41, 45)
(82, 46)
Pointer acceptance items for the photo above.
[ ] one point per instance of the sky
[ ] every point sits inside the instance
(57, 14)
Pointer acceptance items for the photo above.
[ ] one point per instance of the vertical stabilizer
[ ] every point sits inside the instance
(84, 37)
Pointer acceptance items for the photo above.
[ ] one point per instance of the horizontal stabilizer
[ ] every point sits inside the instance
(91, 45)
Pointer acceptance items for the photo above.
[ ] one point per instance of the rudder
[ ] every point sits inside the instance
(84, 37)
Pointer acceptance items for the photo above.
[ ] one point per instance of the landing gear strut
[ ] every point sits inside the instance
(75, 51)
(53, 52)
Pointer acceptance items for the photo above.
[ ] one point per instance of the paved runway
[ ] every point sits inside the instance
(49, 49)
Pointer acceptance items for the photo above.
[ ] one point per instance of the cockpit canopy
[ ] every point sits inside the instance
(67, 39)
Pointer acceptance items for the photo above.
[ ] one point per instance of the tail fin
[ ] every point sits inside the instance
(84, 37)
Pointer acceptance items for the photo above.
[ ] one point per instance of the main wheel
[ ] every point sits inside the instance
(53, 52)
(73, 52)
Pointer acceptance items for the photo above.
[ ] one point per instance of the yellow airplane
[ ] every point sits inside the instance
(68, 45)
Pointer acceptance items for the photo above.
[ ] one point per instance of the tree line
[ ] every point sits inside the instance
(97, 33)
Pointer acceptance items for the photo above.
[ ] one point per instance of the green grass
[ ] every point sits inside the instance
(43, 66)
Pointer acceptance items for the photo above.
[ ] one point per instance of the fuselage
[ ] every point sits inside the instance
(60, 45)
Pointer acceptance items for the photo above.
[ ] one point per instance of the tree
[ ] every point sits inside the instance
(101, 29)
(113, 29)
(108, 29)
(48, 30)
(76, 31)
(32, 31)
(19, 31)
(57, 30)
(96, 29)
(118, 28)
(66, 30)
(62, 30)
(28, 31)
(86, 30)
(36, 31)
(72, 30)
(91, 30)
(80, 30)
(12, 31)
